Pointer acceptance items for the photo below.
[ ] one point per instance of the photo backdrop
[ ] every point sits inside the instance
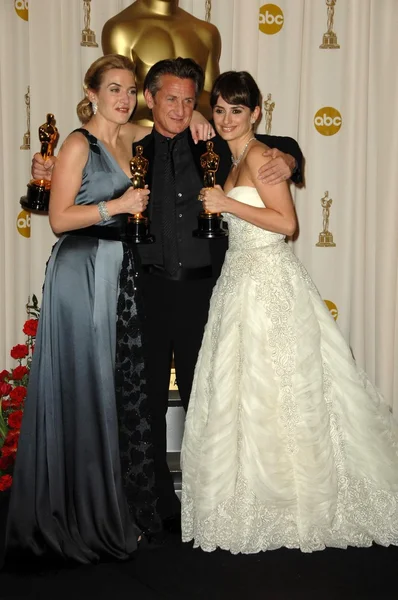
(339, 102)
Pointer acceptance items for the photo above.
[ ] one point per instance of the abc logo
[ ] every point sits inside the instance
(328, 120)
(22, 9)
(270, 19)
(332, 309)
(23, 223)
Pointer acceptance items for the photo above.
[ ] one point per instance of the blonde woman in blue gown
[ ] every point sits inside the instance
(84, 483)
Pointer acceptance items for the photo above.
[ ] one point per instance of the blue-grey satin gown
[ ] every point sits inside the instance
(83, 480)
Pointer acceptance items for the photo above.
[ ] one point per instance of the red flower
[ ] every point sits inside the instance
(18, 393)
(5, 482)
(30, 327)
(3, 375)
(13, 391)
(19, 372)
(10, 405)
(11, 440)
(15, 419)
(19, 351)
(5, 389)
(5, 462)
(9, 450)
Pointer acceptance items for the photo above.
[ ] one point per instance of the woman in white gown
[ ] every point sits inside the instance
(286, 441)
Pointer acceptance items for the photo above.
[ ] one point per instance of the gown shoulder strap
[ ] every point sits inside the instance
(92, 140)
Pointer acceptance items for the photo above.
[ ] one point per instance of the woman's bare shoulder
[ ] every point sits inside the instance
(75, 142)
(255, 154)
(134, 133)
(74, 150)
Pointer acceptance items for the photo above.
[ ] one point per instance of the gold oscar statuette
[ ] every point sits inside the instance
(209, 224)
(151, 30)
(88, 35)
(38, 193)
(137, 225)
(26, 135)
(325, 237)
(329, 41)
(268, 108)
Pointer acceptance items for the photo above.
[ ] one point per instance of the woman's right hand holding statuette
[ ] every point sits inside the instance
(209, 223)
(137, 225)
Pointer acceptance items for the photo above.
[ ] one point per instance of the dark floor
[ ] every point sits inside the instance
(176, 571)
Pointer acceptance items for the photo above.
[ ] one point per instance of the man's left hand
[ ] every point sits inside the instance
(200, 128)
(278, 169)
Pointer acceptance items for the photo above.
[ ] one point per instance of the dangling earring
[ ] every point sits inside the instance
(95, 107)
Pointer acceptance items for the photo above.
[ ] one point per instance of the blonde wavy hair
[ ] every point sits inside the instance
(93, 79)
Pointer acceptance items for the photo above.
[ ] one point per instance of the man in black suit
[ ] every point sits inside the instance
(179, 269)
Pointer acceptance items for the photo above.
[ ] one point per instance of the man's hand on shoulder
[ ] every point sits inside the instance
(278, 169)
(201, 129)
(42, 168)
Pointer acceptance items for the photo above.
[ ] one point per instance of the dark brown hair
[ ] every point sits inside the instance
(183, 68)
(236, 87)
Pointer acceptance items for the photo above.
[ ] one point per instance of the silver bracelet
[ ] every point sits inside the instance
(103, 211)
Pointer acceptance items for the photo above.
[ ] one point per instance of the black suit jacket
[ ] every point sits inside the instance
(218, 247)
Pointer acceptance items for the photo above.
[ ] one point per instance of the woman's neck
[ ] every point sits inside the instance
(106, 132)
(239, 146)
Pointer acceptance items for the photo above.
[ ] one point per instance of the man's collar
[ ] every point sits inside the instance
(159, 137)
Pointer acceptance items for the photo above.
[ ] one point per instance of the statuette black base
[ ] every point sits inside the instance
(137, 231)
(37, 198)
(209, 227)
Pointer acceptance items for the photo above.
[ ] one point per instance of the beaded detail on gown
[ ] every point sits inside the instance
(286, 442)
(83, 483)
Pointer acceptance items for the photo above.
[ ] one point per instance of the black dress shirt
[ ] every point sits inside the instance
(193, 253)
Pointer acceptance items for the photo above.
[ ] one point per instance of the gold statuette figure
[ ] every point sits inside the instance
(325, 237)
(88, 35)
(38, 194)
(209, 161)
(330, 38)
(209, 224)
(151, 30)
(137, 225)
(268, 108)
(26, 135)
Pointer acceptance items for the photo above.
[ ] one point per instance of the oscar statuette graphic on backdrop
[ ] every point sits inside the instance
(26, 137)
(325, 237)
(268, 108)
(329, 41)
(88, 35)
(38, 193)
